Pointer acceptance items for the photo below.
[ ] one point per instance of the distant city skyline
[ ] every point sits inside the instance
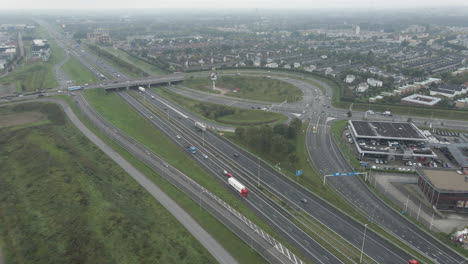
(116, 4)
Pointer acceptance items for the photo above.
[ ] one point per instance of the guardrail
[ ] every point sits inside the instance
(260, 240)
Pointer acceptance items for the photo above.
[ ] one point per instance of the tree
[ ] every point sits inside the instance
(280, 129)
(240, 132)
(350, 114)
(409, 119)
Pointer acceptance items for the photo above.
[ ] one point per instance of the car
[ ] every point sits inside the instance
(40, 95)
(205, 156)
(236, 155)
(304, 200)
(178, 137)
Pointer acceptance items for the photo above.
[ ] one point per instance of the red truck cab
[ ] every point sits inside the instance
(413, 261)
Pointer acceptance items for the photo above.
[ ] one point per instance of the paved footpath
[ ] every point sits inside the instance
(215, 249)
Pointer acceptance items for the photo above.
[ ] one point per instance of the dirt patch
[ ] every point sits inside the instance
(21, 118)
(220, 89)
(7, 89)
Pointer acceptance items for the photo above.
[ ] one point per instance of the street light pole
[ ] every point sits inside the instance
(363, 241)
(258, 171)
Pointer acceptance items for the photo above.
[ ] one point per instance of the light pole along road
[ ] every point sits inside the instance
(399, 226)
(380, 250)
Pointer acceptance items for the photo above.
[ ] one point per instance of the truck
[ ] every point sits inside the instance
(141, 89)
(238, 186)
(387, 113)
(192, 149)
(75, 88)
(200, 126)
(314, 129)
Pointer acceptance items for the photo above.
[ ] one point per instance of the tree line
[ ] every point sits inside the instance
(275, 141)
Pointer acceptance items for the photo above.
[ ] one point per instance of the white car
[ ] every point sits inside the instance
(205, 156)
(178, 137)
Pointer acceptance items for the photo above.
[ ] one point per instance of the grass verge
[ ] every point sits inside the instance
(256, 88)
(148, 68)
(78, 72)
(224, 115)
(92, 211)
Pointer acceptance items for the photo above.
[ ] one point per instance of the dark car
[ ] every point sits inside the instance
(236, 155)
(40, 95)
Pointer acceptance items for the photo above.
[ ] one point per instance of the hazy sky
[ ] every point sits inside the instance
(86, 4)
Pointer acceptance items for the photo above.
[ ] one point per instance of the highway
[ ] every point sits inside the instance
(328, 159)
(351, 188)
(217, 163)
(246, 167)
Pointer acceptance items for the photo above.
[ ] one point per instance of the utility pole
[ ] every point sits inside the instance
(363, 241)
(258, 171)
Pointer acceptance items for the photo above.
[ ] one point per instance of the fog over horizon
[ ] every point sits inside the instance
(224, 4)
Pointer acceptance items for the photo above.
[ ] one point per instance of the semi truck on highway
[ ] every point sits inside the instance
(387, 113)
(75, 88)
(236, 184)
(200, 126)
(141, 89)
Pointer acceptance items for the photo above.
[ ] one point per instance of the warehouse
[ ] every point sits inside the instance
(389, 140)
(446, 190)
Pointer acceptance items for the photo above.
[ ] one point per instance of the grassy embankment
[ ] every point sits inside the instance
(148, 68)
(78, 72)
(124, 117)
(37, 74)
(64, 201)
(255, 88)
(120, 63)
(239, 116)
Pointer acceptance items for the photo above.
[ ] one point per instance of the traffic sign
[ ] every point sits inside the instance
(298, 172)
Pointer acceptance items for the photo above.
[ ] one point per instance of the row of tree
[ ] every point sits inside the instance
(276, 141)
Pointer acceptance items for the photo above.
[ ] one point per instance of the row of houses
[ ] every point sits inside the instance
(407, 89)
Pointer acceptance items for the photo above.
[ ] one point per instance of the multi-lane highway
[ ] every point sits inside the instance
(328, 158)
(252, 171)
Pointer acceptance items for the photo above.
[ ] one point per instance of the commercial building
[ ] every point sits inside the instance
(446, 190)
(40, 48)
(389, 140)
(422, 100)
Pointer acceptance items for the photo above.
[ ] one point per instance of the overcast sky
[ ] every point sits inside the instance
(86, 4)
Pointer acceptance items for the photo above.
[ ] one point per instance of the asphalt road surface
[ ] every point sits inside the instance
(377, 248)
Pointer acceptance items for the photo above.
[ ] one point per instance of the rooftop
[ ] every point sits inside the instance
(421, 99)
(387, 130)
(446, 180)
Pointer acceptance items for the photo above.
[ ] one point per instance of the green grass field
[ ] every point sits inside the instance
(64, 201)
(150, 69)
(256, 88)
(30, 77)
(124, 117)
(240, 117)
(78, 72)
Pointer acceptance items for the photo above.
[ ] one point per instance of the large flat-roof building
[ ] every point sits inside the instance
(40, 48)
(446, 190)
(391, 140)
(422, 100)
